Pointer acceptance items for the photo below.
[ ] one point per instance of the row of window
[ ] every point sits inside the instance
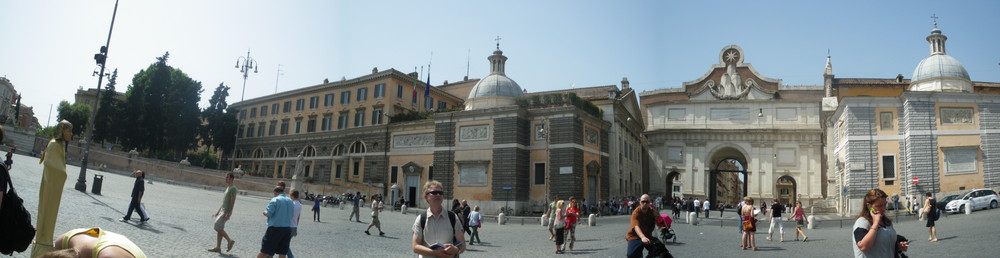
(326, 124)
(948, 116)
(345, 99)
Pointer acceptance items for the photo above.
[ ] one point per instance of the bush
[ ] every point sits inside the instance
(206, 159)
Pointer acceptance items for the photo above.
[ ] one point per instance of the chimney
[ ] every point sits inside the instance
(445, 82)
(466, 78)
(326, 80)
(374, 70)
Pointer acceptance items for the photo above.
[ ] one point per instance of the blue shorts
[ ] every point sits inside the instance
(276, 240)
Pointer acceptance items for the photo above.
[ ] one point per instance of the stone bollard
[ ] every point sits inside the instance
(545, 220)
(592, 220)
(502, 219)
(811, 222)
(692, 218)
(968, 208)
(402, 209)
(342, 204)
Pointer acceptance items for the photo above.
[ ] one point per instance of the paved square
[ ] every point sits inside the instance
(181, 226)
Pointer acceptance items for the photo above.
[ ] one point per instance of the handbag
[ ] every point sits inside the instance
(16, 222)
(747, 225)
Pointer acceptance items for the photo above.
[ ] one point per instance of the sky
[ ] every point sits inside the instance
(47, 47)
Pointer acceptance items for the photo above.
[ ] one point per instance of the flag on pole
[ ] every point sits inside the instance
(415, 79)
(427, 88)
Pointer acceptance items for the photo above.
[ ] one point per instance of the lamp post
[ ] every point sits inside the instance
(385, 154)
(247, 64)
(101, 59)
(548, 159)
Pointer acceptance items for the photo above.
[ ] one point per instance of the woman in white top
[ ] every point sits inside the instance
(475, 221)
(873, 233)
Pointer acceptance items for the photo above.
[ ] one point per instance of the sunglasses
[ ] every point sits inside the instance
(646, 201)
(438, 192)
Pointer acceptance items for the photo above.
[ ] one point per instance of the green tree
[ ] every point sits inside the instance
(162, 110)
(106, 126)
(78, 114)
(215, 115)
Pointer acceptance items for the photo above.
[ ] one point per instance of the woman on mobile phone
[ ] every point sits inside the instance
(874, 235)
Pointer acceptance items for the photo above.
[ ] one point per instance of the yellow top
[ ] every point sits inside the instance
(105, 239)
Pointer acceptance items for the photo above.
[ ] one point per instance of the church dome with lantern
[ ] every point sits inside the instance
(496, 90)
(940, 72)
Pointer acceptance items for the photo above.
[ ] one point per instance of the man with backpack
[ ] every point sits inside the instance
(437, 232)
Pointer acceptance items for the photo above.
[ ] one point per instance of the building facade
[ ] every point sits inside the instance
(733, 132)
(936, 132)
(486, 140)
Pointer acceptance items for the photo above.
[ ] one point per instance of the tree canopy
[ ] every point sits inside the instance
(161, 111)
(78, 114)
(220, 127)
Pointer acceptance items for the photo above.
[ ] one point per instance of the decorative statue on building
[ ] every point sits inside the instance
(297, 174)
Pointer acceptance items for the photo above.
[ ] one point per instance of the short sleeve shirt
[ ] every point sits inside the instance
(885, 240)
(437, 229)
(227, 198)
(279, 211)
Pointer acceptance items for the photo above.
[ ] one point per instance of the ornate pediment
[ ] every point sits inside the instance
(731, 79)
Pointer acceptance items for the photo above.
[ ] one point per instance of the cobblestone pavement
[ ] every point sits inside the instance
(181, 226)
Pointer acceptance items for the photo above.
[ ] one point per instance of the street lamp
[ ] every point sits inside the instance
(548, 159)
(101, 59)
(385, 153)
(248, 64)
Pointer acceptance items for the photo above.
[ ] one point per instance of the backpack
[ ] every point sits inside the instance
(451, 218)
(16, 222)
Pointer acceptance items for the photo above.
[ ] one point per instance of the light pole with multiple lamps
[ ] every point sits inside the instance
(101, 59)
(247, 65)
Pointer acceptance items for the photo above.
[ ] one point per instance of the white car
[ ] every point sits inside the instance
(978, 199)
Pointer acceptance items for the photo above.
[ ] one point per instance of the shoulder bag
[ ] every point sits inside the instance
(16, 222)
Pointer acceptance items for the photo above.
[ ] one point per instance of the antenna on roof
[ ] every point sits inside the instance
(468, 56)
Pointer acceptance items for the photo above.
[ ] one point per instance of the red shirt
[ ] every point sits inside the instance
(571, 215)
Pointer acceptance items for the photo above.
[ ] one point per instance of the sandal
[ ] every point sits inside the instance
(229, 245)
(214, 250)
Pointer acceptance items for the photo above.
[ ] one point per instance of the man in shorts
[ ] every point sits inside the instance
(222, 215)
(279, 214)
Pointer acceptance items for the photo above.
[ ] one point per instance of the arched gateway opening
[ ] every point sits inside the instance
(671, 191)
(727, 177)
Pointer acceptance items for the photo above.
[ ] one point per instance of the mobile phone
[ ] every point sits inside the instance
(874, 212)
(459, 243)
(436, 246)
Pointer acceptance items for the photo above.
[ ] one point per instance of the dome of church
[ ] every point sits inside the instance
(940, 72)
(937, 66)
(496, 90)
(496, 85)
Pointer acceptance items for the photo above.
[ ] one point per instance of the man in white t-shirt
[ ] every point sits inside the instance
(296, 213)
(707, 206)
(697, 208)
(377, 207)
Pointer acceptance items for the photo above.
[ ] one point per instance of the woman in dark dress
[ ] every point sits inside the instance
(932, 215)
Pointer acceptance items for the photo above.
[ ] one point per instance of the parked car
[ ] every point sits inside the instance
(943, 204)
(978, 199)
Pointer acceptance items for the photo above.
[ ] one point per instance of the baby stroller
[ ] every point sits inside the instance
(668, 233)
(657, 249)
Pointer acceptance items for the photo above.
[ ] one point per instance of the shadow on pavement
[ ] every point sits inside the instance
(770, 248)
(947, 238)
